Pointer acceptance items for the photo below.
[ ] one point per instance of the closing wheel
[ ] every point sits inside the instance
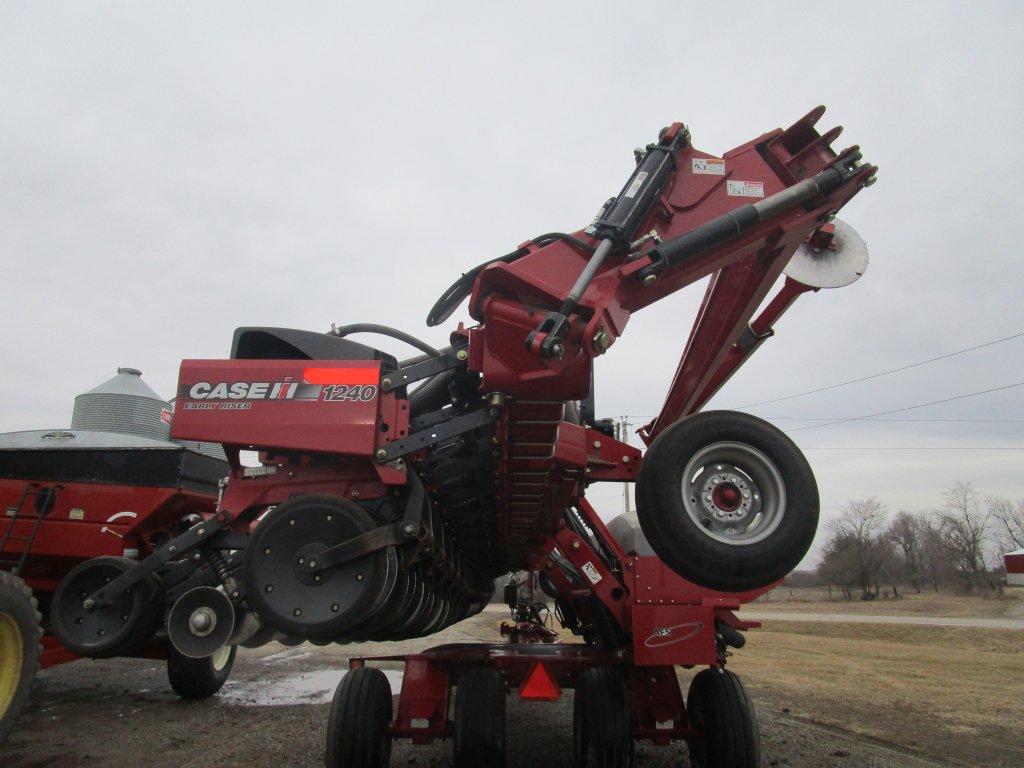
(727, 500)
(199, 678)
(602, 729)
(479, 733)
(120, 626)
(724, 717)
(19, 648)
(357, 731)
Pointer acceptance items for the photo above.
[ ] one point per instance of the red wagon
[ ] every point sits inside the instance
(71, 495)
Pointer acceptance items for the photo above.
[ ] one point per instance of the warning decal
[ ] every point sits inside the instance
(591, 572)
(637, 183)
(744, 188)
(709, 166)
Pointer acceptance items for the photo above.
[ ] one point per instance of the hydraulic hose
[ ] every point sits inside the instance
(384, 330)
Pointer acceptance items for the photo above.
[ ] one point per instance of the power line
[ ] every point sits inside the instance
(909, 407)
(898, 421)
(911, 448)
(885, 373)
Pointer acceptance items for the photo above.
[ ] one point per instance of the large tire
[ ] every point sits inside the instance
(750, 508)
(20, 633)
(357, 731)
(199, 678)
(602, 720)
(720, 710)
(479, 737)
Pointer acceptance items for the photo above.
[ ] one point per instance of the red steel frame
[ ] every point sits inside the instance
(672, 621)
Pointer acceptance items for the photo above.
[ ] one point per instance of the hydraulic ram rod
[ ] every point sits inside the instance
(615, 225)
(746, 217)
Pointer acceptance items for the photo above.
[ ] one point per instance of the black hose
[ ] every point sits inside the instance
(550, 237)
(459, 290)
(384, 330)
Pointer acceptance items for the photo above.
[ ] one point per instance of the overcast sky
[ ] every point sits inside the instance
(169, 174)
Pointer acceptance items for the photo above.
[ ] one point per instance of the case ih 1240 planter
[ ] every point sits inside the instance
(391, 494)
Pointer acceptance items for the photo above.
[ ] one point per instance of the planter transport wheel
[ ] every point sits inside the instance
(602, 730)
(727, 500)
(19, 648)
(479, 737)
(357, 731)
(105, 630)
(199, 678)
(722, 713)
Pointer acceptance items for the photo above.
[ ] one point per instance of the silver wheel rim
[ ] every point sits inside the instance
(220, 657)
(733, 493)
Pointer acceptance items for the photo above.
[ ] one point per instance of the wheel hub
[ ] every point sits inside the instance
(202, 621)
(734, 492)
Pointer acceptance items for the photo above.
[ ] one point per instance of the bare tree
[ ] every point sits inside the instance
(965, 529)
(907, 536)
(936, 562)
(1009, 521)
(860, 546)
(838, 565)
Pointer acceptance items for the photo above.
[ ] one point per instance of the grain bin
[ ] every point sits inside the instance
(123, 404)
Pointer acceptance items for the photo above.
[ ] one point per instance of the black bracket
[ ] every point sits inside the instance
(175, 548)
(444, 431)
(403, 531)
(446, 361)
(748, 338)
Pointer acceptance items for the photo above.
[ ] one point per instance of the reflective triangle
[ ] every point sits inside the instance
(539, 685)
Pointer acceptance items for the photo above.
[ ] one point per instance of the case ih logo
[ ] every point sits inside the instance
(668, 635)
(333, 384)
(253, 390)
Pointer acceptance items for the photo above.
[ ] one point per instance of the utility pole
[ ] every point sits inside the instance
(623, 430)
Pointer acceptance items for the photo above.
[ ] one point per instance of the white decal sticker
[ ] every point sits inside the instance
(76, 514)
(591, 572)
(709, 166)
(119, 515)
(671, 635)
(635, 186)
(744, 188)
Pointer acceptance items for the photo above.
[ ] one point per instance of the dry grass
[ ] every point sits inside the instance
(1009, 605)
(950, 693)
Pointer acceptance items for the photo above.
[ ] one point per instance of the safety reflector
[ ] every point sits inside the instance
(539, 685)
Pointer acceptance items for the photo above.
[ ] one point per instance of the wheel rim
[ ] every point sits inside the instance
(734, 493)
(11, 660)
(219, 659)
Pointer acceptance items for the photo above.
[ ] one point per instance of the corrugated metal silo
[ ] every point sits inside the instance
(123, 404)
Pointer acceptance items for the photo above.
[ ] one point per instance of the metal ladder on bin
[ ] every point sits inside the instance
(44, 503)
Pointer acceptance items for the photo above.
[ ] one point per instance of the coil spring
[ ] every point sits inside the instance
(220, 565)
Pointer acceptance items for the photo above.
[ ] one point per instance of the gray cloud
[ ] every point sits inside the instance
(170, 174)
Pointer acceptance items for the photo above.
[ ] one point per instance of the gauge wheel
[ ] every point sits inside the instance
(199, 678)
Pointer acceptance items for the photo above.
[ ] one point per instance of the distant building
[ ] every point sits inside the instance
(1014, 568)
